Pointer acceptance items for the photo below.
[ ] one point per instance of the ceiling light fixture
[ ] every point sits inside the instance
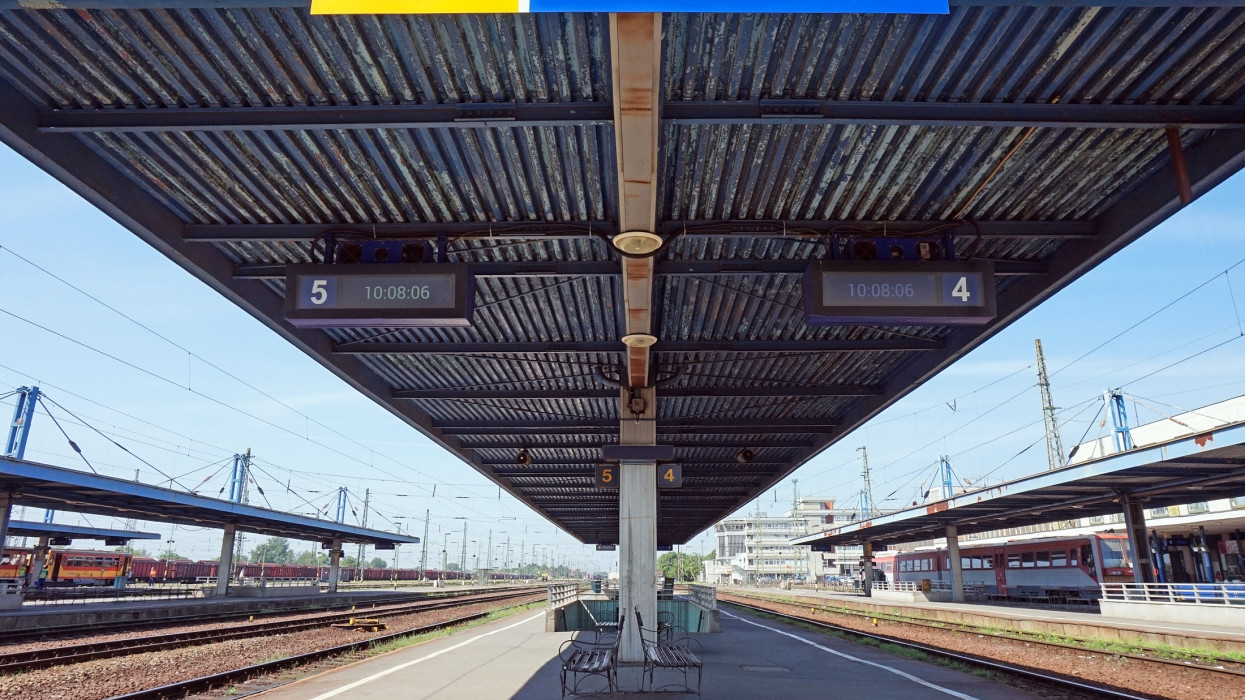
(637, 242)
(745, 455)
(639, 340)
(523, 457)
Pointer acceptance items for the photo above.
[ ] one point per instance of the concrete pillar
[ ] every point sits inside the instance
(957, 571)
(335, 559)
(1135, 522)
(637, 553)
(866, 566)
(637, 532)
(40, 558)
(224, 572)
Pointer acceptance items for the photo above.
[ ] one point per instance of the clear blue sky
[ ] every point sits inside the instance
(172, 407)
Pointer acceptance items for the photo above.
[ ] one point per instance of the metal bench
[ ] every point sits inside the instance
(677, 654)
(582, 660)
(603, 626)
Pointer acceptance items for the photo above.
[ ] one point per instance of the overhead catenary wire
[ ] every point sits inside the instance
(123, 448)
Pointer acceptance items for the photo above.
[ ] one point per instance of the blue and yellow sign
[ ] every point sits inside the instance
(412, 7)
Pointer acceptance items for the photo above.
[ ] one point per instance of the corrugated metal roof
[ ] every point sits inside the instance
(234, 138)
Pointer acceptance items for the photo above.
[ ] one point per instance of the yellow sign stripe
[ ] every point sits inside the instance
(410, 7)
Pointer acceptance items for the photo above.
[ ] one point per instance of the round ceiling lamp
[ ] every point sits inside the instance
(639, 340)
(637, 242)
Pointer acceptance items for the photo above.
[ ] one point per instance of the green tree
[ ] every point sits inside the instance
(668, 565)
(452, 566)
(275, 551)
(349, 562)
(378, 563)
(170, 555)
(132, 551)
(311, 559)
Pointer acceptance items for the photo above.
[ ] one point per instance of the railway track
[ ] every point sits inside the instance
(44, 634)
(1227, 675)
(1208, 661)
(59, 656)
(204, 683)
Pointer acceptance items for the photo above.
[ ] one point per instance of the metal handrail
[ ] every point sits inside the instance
(1195, 593)
(910, 586)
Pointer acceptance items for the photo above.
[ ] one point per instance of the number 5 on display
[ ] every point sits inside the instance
(606, 477)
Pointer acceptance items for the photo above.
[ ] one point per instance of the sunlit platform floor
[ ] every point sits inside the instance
(752, 658)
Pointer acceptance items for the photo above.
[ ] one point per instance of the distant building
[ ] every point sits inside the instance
(758, 548)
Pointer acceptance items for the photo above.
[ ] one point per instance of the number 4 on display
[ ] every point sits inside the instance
(961, 290)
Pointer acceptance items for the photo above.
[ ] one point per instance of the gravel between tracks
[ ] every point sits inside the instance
(1155, 680)
(103, 678)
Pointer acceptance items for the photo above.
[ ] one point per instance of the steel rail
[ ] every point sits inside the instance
(993, 664)
(985, 632)
(203, 683)
(1058, 681)
(62, 656)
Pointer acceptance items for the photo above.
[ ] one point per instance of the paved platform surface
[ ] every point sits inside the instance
(1021, 613)
(751, 659)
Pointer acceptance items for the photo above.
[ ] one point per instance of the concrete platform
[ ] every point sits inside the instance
(751, 659)
(1092, 625)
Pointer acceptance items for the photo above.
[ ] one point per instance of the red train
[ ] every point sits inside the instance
(186, 571)
(1050, 563)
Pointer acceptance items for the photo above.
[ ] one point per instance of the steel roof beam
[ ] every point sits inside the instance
(729, 464)
(528, 445)
(670, 392)
(814, 230)
(959, 114)
(559, 230)
(665, 346)
(664, 268)
(500, 427)
(508, 269)
(302, 118)
(284, 233)
(540, 114)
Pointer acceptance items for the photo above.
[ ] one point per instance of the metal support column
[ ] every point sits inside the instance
(866, 568)
(19, 429)
(957, 571)
(224, 571)
(1135, 522)
(335, 560)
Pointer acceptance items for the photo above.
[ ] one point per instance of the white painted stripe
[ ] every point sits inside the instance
(884, 667)
(525, 5)
(420, 660)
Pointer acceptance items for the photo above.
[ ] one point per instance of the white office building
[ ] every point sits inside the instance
(757, 548)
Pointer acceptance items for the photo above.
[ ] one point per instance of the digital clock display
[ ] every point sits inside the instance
(941, 293)
(399, 295)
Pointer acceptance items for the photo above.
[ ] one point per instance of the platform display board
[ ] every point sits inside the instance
(918, 293)
(412, 7)
(381, 295)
